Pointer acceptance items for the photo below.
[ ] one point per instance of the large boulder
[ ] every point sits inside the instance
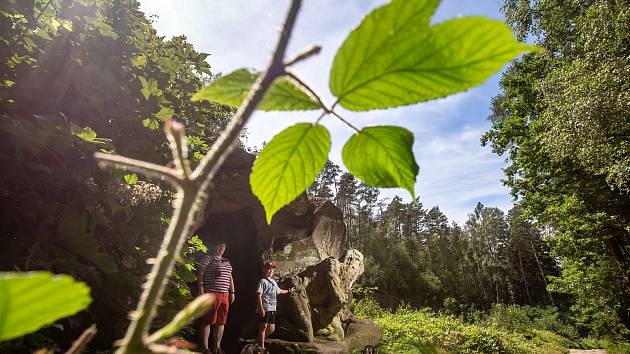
(329, 233)
(325, 293)
(294, 313)
(363, 333)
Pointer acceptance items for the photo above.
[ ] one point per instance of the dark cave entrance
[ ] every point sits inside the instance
(238, 230)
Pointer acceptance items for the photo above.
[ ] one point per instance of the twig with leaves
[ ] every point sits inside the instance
(191, 189)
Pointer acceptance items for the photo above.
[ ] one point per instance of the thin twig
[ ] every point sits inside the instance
(324, 113)
(143, 167)
(191, 191)
(345, 121)
(135, 339)
(85, 338)
(177, 139)
(225, 144)
(292, 74)
(303, 55)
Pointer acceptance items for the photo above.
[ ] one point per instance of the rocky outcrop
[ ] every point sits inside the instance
(362, 334)
(306, 240)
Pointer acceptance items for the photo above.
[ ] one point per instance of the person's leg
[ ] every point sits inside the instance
(271, 323)
(262, 329)
(270, 328)
(217, 335)
(223, 305)
(204, 326)
(204, 333)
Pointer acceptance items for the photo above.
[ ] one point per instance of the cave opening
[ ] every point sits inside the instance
(238, 230)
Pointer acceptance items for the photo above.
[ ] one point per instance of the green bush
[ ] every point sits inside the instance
(523, 318)
(505, 329)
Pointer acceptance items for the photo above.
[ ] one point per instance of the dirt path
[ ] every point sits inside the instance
(592, 351)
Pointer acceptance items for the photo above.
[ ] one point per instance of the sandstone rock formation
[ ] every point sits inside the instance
(307, 241)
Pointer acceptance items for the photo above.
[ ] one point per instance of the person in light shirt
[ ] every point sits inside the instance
(267, 299)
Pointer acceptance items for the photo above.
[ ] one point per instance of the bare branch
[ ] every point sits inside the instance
(293, 75)
(344, 121)
(146, 168)
(303, 55)
(225, 144)
(85, 338)
(176, 134)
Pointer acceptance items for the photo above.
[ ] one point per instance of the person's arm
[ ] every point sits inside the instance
(201, 269)
(232, 289)
(261, 309)
(282, 291)
(259, 299)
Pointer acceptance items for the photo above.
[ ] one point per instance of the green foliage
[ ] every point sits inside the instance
(505, 330)
(562, 120)
(391, 162)
(131, 179)
(29, 301)
(395, 58)
(231, 90)
(107, 74)
(517, 318)
(289, 164)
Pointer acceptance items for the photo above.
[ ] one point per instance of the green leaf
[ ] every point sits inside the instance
(131, 179)
(289, 164)
(149, 88)
(86, 133)
(395, 58)
(390, 163)
(105, 30)
(283, 95)
(139, 61)
(29, 301)
(151, 123)
(164, 113)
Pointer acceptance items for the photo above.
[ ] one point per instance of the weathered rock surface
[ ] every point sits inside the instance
(317, 346)
(325, 293)
(294, 314)
(363, 333)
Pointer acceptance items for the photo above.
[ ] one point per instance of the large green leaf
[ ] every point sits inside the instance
(395, 58)
(382, 157)
(289, 164)
(29, 301)
(283, 95)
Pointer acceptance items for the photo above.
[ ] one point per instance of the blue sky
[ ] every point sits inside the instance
(455, 171)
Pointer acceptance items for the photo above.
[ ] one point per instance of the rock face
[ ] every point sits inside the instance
(306, 240)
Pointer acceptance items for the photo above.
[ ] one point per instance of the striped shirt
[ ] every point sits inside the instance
(216, 276)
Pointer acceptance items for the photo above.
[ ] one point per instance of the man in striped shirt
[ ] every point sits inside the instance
(214, 276)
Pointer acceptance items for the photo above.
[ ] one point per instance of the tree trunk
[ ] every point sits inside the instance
(542, 272)
(520, 264)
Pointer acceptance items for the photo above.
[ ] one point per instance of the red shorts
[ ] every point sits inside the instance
(217, 314)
